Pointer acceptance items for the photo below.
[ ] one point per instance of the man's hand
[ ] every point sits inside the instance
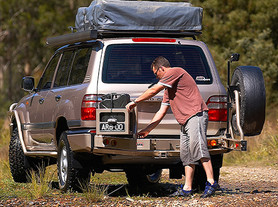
(155, 121)
(130, 106)
(143, 133)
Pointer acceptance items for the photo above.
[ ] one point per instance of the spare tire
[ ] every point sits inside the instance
(250, 83)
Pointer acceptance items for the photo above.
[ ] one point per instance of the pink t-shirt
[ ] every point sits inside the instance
(182, 94)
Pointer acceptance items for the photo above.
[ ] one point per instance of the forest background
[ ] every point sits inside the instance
(248, 27)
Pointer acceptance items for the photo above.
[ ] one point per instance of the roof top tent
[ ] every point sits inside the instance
(118, 18)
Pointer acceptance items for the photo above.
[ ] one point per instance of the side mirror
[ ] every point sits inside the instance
(234, 57)
(27, 84)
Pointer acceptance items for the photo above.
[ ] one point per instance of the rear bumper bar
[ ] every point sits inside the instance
(157, 148)
(153, 148)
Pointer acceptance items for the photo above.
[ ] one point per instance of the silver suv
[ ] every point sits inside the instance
(76, 115)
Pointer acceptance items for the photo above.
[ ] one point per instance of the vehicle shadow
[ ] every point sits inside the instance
(166, 189)
(122, 190)
(157, 190)
(154, 190)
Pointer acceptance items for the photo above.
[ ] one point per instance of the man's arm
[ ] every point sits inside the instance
(155, 121)
(146, 95)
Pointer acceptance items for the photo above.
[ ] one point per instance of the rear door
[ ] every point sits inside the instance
(61, 100)
(55, 94)
(35, 125)
(126, 69)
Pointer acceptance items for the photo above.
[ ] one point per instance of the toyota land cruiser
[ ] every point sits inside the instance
(76, 114)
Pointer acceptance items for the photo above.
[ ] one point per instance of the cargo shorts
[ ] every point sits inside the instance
(193, 140)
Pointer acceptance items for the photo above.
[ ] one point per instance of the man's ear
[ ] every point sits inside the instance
(163, 68)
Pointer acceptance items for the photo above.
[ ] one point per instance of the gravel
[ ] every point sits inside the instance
(240, 186)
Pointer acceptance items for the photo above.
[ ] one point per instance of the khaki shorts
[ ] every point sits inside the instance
(193, 140)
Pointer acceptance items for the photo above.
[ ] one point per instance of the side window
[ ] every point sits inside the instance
(79, 66)
(64, 69)
(47, 77)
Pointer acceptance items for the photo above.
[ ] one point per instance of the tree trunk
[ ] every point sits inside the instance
(27, 69)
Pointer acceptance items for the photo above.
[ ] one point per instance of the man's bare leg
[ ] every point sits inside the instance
(189, 175)
(206, 162)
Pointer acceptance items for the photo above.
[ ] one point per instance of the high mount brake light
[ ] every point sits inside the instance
(153, 40)
(217, 108)
(89, 106)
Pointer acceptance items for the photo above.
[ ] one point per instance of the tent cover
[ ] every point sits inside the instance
(123, 15)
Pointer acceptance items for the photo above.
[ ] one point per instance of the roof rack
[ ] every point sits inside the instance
(75, 37)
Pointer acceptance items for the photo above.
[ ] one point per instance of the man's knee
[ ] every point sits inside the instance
(205, 159)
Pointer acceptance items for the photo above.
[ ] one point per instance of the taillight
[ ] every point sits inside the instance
(89, 106)
(212, 143)
(217, 108)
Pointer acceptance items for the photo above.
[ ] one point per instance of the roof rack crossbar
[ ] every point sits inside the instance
(71, 38)
(99, 34)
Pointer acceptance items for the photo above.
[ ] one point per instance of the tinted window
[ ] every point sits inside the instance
(79, 66)
(131, 63)
(64, 69)
(47, 77)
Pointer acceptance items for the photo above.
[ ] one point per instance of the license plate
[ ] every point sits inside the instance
(119, 127)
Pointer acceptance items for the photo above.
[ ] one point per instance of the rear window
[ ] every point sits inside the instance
(131, 63)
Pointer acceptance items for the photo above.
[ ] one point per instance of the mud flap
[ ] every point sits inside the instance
(176, 171)
(243, 145)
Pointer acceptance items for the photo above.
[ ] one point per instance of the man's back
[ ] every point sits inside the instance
(182, 94)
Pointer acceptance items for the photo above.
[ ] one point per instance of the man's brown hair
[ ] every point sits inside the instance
(160, 61)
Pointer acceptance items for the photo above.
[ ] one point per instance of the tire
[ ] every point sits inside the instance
(21, 165)
(137, 176)
(17, 159)
(250, 83)
(70, 177)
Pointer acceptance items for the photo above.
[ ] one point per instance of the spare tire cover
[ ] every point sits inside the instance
(250, 83)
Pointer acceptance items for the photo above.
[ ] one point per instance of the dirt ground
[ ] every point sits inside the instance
(240, 186)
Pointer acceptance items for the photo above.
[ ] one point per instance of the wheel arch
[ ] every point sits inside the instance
(16, 122)
(61, 126)
(13, 122)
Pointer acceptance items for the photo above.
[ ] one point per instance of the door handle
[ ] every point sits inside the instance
(41, 100)
(58, 98)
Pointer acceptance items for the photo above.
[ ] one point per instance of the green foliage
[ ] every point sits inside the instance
(246, 27)
(25, 25)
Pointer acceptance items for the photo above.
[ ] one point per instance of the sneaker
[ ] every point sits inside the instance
(181, 193)
(210, 189)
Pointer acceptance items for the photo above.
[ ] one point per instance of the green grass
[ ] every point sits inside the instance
(94, 192)
(111, 178)
(262, 150)
(39, 187)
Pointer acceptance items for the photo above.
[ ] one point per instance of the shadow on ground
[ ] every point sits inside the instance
(154, 190)
(160, 190)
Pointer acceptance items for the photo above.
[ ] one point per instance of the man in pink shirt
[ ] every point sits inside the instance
(183, 96)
